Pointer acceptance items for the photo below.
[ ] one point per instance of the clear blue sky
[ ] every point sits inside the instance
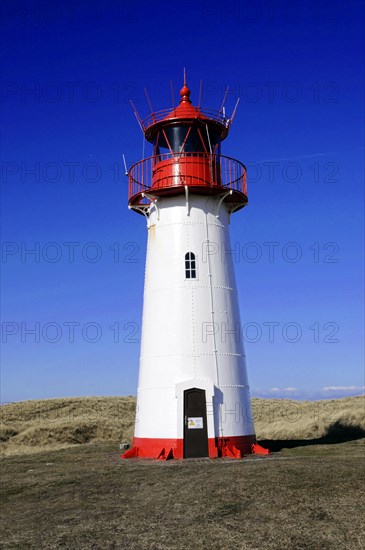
(69, 70)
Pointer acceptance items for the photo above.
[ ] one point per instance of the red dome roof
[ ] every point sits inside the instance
(185, 111)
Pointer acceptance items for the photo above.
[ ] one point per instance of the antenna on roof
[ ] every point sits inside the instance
(139, 120)
(172, 94)
(125, 165)
(224, 99)
(200, 93)
(184, 76)
(235, 109)
(148, 99)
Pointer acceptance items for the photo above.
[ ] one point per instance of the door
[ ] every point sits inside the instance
(195, 424)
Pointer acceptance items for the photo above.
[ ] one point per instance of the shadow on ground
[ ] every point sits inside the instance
(338, 432)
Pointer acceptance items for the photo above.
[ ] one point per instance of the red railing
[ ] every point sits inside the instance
(157, 116)
(192, 169)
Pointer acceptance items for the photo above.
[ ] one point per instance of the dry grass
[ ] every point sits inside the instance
(289, 419)
(88, 498)
(32, 426)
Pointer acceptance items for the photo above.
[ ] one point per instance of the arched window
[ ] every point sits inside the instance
(190, 266)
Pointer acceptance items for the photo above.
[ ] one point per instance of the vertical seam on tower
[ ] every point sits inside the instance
(193, 326)
(220, 426)
(192, 310)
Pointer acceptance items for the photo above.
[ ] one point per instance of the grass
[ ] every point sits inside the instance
(307, 495)
(86, 497)
(31, 426)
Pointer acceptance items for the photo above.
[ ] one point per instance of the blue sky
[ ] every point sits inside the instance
(69, 71)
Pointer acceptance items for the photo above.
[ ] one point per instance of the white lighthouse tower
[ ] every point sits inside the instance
(193, 395)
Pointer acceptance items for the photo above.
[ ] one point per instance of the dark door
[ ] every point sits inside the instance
(195, 424)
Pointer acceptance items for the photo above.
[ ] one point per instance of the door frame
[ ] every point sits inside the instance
(203, 432)
(209, 388)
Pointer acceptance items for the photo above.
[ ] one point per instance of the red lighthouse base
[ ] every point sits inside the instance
(165, 449)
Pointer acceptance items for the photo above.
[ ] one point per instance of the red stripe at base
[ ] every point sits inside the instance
(163, 449)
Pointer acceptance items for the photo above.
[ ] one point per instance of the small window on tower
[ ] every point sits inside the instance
(190, 265)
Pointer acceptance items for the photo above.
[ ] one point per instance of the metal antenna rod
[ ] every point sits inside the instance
(224, 99)
(139, 120)
(125, 165)
(200, 93)
(148, 99)
(235, 109)
(172, 94)
(184, 76)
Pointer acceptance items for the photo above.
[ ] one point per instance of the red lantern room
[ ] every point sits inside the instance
(186, 157)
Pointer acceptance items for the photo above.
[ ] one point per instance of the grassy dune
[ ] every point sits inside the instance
(32, 426)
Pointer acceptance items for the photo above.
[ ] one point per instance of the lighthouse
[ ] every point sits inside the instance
(193, 397)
